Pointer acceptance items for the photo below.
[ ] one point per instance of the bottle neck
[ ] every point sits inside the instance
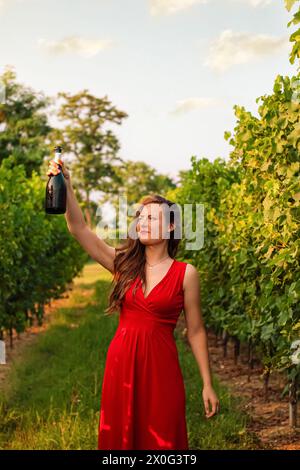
(58, 159)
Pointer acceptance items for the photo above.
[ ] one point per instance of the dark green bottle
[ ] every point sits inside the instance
(56, 189)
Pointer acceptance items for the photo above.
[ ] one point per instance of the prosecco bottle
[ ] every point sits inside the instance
(56, 189)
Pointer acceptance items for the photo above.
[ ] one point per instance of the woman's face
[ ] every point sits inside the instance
(152, 225)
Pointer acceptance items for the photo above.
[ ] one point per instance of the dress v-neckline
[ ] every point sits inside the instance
(159, 282)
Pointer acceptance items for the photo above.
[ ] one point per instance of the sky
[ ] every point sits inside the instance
(176, 67)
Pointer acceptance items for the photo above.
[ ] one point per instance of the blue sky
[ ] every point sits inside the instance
(176, 67)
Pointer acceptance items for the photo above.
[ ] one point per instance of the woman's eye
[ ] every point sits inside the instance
(149, 217)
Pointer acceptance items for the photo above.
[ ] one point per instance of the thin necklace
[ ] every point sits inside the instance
(151, 265)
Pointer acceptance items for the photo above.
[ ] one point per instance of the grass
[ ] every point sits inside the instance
(53, 398)
(223, 431)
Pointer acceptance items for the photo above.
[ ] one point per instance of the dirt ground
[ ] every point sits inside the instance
(269, 420)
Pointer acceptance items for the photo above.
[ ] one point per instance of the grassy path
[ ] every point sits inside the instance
(52, 397)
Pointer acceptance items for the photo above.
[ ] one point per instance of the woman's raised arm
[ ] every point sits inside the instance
(97, 248)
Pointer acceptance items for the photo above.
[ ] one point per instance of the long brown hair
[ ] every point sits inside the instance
(130, 257)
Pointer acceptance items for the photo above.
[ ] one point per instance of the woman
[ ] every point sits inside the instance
(143, 396)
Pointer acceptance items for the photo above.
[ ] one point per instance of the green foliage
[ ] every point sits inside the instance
(249, 265)
(38, 257)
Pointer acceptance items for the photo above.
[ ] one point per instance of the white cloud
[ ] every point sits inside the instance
(6, 3)
(190, 104)
(167, 7)
(76, 45)
(232, 48)
(254, 3)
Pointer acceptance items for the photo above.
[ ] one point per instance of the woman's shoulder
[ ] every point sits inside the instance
(186, 265)
(190, 275)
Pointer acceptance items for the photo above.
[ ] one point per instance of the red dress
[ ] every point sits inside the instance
(143, 394)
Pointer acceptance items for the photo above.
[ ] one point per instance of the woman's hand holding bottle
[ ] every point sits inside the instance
(54, 169)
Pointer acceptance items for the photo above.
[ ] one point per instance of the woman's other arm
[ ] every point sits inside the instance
(197, 336)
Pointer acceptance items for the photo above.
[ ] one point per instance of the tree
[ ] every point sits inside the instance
(138, 179)
(295, 37)
(24, 124)
(94, 150)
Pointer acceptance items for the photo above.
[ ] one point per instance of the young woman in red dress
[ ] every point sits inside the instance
(142, 402)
